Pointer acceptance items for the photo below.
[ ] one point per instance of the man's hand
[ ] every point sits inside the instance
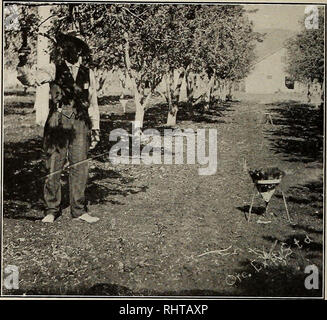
(95, 138)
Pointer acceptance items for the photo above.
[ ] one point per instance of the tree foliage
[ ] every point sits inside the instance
(305, 53)
(152, 41)
(13, 39)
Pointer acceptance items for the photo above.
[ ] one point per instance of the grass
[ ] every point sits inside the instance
(158, 221)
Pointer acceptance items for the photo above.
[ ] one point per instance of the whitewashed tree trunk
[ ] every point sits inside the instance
(173, 95)
(140, 104)
(41, 104)
(209, 92)
(177, 91)
(217, 89)
(190, 86)
(139, 114)
(308, 92)
(172, 104)
(141, 101)
(230, 90)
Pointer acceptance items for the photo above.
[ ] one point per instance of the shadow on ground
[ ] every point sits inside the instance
(309, 193)
(24, 176)
(19, 108)
(24, 171)
(297, 133)
(187, 112)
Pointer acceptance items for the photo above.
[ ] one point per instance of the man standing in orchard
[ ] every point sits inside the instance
(72, 126)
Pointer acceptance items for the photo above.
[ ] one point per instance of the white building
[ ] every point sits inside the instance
(268, 75)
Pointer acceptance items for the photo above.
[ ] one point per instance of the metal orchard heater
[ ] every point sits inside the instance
(265, 183)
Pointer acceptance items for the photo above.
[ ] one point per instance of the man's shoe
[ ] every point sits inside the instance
(49, 218)
(86, 217)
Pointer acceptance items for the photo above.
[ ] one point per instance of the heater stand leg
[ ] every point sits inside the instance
(250, 210)
(287, 213)
(266, 209)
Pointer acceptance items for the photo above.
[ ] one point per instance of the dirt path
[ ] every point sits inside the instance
(159, 222)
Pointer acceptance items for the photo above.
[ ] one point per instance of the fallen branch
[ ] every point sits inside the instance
(215, 251)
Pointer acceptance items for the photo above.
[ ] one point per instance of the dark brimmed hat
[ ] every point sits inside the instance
(69, 47)
(69, 39)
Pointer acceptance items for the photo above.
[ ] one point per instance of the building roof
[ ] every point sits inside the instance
(273, 41)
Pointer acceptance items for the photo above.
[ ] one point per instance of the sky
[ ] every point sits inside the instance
(276, 16)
